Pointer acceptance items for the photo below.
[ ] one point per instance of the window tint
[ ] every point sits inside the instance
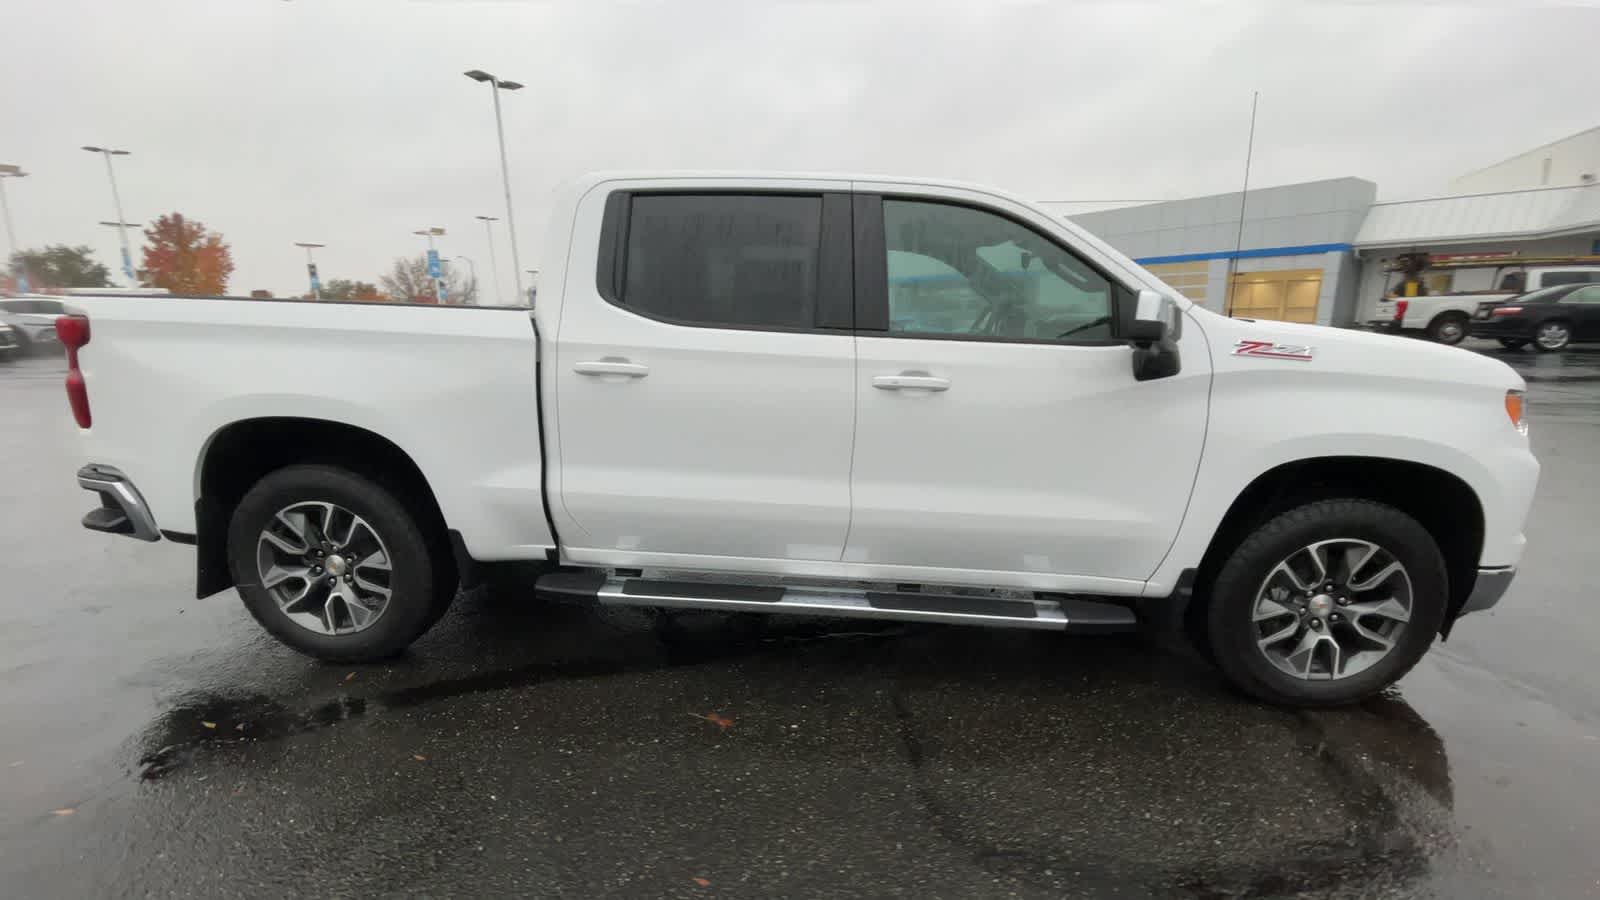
(730, 260)
(954, 270)
(1551, 279)
(51, 307)
(13, 305)
(1583, 295)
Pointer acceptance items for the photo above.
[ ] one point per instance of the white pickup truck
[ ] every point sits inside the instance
(839, 396)
(1444, 317)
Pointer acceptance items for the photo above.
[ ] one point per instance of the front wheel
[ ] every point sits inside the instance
(332, 564)
(1327, 603)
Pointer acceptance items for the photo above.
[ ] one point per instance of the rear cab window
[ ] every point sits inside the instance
(719, 260)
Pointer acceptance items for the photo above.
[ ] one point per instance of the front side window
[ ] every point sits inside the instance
(1583, 295)
(959, 271)
(731, 260)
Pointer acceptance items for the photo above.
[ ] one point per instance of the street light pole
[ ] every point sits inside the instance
(127, 255)
(311, 268)
(494, 267)
(496, 85)
(440, 293)
(10, 171)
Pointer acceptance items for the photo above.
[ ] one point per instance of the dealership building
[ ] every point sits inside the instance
(1321, 251)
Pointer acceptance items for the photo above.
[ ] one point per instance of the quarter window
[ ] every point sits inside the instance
(731, 260)
(1551, 279)
(958, 271)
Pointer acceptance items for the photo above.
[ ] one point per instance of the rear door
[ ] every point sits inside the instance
(706, 379)
(999, 425)
(1584, 307)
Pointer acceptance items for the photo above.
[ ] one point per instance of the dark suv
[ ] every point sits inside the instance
(1549, 319)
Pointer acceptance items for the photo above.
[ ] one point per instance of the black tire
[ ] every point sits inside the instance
(1448, 328)
(415, 601)
(1513, 343)
(1544, 345)
(1233, 598)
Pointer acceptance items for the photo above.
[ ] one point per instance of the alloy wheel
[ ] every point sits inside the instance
(1553, 335)
(1332, 609)
(326, 567)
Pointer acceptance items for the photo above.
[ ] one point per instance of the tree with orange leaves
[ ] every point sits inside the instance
(184, 257)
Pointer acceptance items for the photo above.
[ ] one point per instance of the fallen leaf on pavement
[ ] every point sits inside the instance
(209, 724)
(702, 882)
(350, 676)
(239, 727)
(64, 811)
(419, 757)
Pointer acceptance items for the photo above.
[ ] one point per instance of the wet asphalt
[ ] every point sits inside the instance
(152, 744)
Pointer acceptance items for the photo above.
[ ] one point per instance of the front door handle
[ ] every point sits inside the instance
(611, 367)
(911, 381)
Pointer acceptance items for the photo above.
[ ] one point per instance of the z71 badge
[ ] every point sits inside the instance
(1270, 350)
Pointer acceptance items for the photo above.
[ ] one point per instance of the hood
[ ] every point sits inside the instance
(1240, 344)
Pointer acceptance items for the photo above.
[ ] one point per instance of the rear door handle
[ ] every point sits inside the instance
(611, 367)
(910, 381)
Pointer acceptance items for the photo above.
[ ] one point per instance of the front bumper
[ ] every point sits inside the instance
(122, 509)
(1488, 589)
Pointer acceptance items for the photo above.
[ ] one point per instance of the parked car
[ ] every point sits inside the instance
(735, 393)
(35, 321)
(9, 348)
(1445, 318)
(1549, 319)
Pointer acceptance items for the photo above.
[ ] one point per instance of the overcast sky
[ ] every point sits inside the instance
(349, 122)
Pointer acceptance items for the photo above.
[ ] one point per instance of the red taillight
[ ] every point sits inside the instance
(1400, 309)
(1505, 310)
(73, 332)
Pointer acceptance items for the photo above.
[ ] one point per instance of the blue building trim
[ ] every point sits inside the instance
(1302, 250)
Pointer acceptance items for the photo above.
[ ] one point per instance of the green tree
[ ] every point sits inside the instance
(346, 289)
(60, 266)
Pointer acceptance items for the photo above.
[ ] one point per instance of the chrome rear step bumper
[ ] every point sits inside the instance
(122, 509)
(1055, 614)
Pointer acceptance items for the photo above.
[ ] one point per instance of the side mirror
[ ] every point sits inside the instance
(1152, 324)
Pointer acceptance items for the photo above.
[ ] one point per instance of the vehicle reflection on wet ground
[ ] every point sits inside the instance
(155, 744)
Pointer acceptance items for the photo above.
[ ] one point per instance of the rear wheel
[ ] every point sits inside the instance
(1513, 343)
(1327, 603)
(1448, 328)
(333, 564)
(1552, 336)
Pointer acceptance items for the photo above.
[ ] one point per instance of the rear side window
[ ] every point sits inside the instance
(1551, 279)
(731, 260)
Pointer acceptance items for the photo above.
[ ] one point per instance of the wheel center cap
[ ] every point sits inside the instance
(335, 564)
(1319, 606)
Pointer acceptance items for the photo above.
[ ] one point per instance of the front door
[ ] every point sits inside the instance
(706, 398)
(999, 424)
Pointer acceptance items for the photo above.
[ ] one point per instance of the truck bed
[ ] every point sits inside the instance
(452, 387)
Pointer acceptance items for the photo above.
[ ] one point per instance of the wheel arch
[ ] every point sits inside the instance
(240, 453)
(1441, 501)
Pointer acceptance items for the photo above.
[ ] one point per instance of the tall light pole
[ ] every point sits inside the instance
(127, 256)
(435, 271)
(494, 267)
(496, 85)
(122, 235)
(311, 267)
(10, 171)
